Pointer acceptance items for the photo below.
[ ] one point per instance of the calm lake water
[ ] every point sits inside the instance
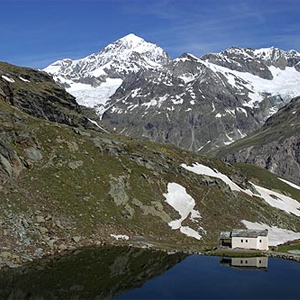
(128, 273)
(203, 277)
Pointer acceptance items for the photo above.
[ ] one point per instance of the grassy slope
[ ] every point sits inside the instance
(97, 184)
(81, 198)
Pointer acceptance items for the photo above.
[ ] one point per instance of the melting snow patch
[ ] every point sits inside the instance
(23, 79)
(8, 79)
(204, 170)
(213, 107)
(276, 235)
(231, 140)
(274, 199)
(187, 77)
(278, 200)
(203, 146)
(152, 102)
(295, 186)
(177, 101)
(242, 110)
(134, 92)
(184, 204)
(241, 134)
(190, 232)
(96, 124)
(120, 236)
(230, 111)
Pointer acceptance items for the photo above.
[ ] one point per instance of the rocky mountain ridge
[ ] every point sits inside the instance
(275, 147)
(195, 103)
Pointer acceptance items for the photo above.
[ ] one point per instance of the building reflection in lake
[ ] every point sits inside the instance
(260, 263)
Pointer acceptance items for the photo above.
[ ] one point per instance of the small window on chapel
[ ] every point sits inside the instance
(260, 241)
(241, 241)
(246, 241)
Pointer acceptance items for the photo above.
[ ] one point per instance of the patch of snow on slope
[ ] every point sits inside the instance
(278, 200)
(276, 235)
(95, 123)
(156, 102)
(187, 77)
(120, 236)
(94, 97)
(295, 186)
(184, 204)
(204, 170)
(23, 79)
(199, 149)
(242, 110)
(152, 102)
(274, 199)
(8, 79)
(230, 140)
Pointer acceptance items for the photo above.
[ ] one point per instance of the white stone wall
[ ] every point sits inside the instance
(263, 245)
(260, 243)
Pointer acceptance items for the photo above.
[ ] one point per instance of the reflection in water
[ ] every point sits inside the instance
(246, 262)
(202, 277)
(95, 273)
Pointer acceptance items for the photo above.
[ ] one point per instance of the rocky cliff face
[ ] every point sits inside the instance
(195, 103)
(275, 147)
(36, 94)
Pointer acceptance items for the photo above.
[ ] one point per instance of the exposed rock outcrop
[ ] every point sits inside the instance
(275, 147)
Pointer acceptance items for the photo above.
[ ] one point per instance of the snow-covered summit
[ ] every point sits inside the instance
(128, 54)
(273, 53)
(95, 78)
(255, 61)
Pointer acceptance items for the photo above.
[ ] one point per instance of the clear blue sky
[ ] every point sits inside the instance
(35, 33)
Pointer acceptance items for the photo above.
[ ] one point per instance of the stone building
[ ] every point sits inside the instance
(245, 239)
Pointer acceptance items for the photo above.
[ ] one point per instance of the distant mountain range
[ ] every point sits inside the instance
(198, 104)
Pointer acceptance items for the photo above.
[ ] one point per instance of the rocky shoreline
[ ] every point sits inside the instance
(29, 238)
(288, 256)
(22, 256)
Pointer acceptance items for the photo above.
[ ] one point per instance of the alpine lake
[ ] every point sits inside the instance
(131, 273)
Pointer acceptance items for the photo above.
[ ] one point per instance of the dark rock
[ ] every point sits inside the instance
(275, 147)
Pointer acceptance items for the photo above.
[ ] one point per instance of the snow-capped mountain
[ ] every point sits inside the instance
(93, 79)
(195, 103)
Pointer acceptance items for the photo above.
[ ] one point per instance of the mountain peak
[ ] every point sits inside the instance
(133, 38)
(133, 43)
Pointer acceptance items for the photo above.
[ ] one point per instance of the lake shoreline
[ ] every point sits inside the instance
(9, 260)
